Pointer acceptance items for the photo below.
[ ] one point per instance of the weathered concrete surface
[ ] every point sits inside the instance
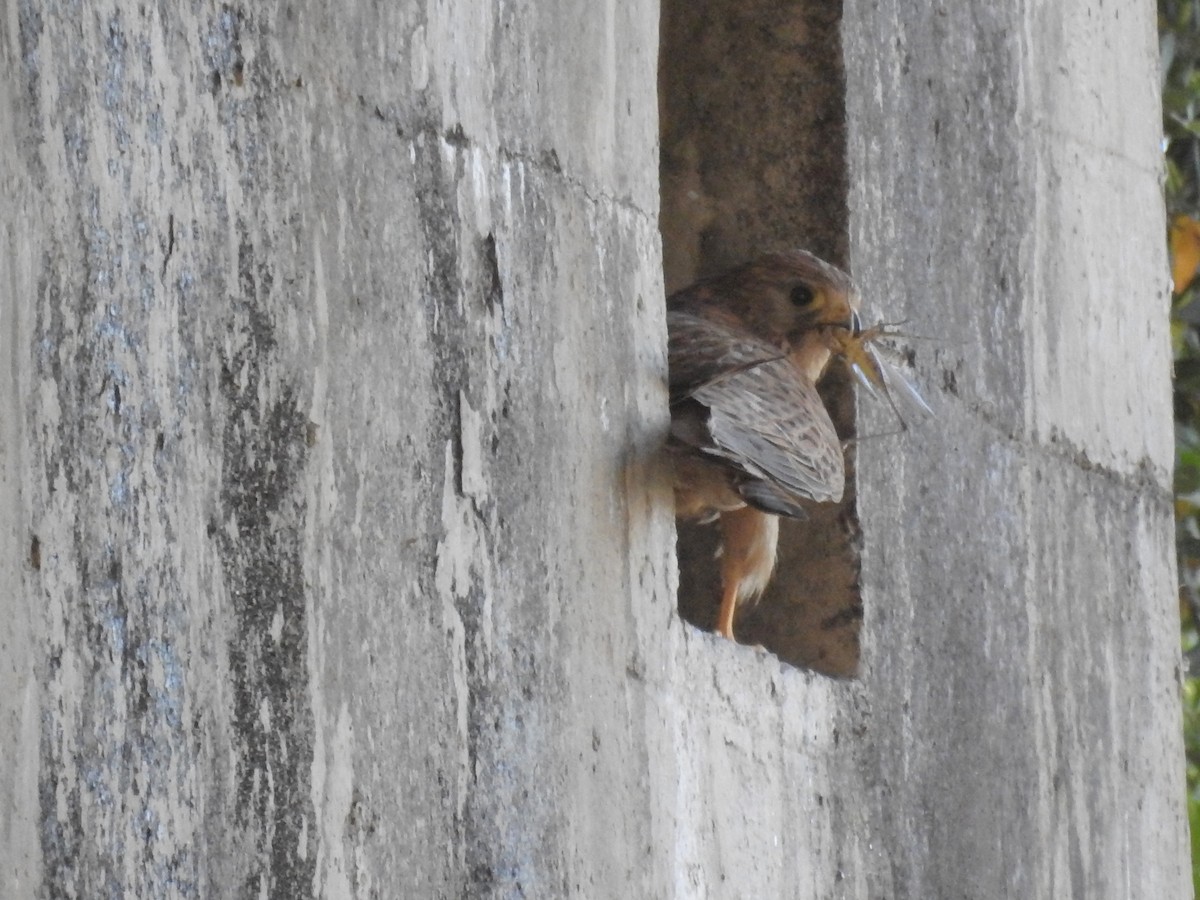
(1021, 646)
(335, 559)
(333, 373)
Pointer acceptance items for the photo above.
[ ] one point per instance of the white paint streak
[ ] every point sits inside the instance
(333, 797)
(419, 60)
(474, 479)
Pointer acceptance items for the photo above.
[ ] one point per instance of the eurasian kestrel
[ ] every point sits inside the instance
(750, 437)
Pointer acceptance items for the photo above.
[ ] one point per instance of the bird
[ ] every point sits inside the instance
(750, 438)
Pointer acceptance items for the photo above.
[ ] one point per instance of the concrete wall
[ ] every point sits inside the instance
(336, 558)
(1021, 634)
(334, 357)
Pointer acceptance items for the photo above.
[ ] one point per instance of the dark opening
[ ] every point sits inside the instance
(752, 119)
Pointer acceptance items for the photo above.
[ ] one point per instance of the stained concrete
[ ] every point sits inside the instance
(337, 558)
(1021, 631)
(335, 376)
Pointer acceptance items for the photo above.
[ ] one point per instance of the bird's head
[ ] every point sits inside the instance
(780, 297)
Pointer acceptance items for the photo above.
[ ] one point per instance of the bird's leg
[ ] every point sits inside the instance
(748, 541)
(728, 605)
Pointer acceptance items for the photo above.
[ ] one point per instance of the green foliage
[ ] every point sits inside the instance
(1179, 42)
(1191, 736)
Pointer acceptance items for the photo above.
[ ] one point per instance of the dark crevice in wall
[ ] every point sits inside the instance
(752, 119)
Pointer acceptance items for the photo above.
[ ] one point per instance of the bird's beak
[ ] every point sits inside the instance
(855, 325)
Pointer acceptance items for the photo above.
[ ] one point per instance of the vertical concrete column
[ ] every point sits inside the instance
(332, 380)
(1021, 638)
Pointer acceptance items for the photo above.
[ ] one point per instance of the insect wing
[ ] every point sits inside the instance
(902, 394)
(864, 379)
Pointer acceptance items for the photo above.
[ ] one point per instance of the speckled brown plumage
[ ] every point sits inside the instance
(750, 437)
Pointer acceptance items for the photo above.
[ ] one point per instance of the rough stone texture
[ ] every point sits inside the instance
(336, 559)
(1021, 639)
(333, 379)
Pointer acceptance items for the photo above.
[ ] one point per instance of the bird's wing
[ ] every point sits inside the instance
(770, 422)
(700, 350)
(736, 399)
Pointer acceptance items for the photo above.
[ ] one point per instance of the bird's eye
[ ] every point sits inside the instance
(802, 295)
